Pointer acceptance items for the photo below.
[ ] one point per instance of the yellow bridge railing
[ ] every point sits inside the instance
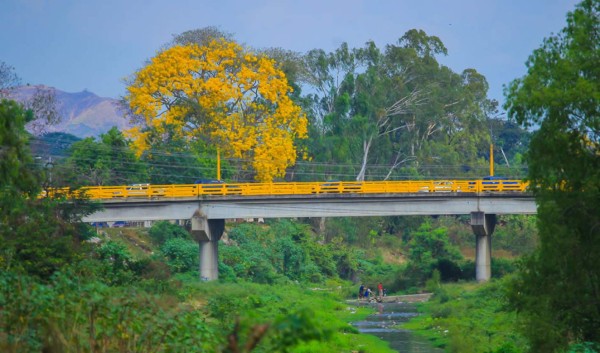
(300, 188)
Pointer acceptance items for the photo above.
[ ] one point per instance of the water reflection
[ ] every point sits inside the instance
(382, 323)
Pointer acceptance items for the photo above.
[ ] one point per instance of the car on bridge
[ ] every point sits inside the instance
(440, 186)
(137, 190)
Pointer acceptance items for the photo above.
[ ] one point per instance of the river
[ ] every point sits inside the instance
(389, 315)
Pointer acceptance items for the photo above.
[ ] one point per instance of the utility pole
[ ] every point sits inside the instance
(491, 160)
(49, 165)
(218, 163)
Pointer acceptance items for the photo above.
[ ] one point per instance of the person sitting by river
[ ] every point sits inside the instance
(367, 293)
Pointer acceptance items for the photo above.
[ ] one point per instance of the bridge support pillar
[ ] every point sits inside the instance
(207, 233)
(483, 227)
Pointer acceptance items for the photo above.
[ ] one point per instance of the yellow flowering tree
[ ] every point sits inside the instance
(224, 95)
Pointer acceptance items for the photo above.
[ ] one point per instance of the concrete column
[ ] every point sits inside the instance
(483, 227)
(207, 233)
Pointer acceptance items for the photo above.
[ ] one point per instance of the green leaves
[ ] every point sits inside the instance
(557, 289)
(396, 108)
(429, 248)
(162, 231)
(70, 315)
(17, 170)
(181, 254)
(109, 161)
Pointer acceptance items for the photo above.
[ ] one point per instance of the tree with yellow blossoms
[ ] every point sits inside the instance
(224, 95)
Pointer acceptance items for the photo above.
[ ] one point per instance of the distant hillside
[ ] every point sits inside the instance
(83, 113)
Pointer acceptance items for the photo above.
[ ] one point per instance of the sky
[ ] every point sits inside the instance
(76, 45)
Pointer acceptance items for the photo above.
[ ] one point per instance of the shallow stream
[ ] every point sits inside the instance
(390, 315)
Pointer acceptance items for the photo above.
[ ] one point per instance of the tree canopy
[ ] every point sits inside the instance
(221, 94)
(391, 110)
(558, 289)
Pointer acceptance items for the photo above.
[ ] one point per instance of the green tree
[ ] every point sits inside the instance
(37, 235)
(558, 288)
(386, 113)
(181, 254)
(162, 231)
(17, 170)
(115, 263)
(430, 249)
(109, 161)
(176, 161)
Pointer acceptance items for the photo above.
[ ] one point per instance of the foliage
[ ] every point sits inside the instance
(173, 161)
(585, 347)
(109, 161)
(224, 95)
(430, 249)
(284, 251)
(71, 315)
(466, 318)
(301, 320)
(162, 231)
(515, 233)
(557, 290)
(16, 163)
(181, 254)
(37, 235)
(115, 263)
(394, 112)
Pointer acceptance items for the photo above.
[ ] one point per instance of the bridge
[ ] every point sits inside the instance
(207, 206)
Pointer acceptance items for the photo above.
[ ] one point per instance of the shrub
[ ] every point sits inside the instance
(116, 263)
(181, 254)
(162, 231)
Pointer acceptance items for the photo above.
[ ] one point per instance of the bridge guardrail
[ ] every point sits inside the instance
(298, 188)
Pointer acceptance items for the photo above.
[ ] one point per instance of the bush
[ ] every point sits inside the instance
(502, 267)
(70, 315)
(162, 231)
(116, 263)
(181, 254)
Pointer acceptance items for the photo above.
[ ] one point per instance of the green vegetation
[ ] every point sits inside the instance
(71, 313)
(129, 292)
(557, 290)
(551, 304)
(465, 318)
(391, 113)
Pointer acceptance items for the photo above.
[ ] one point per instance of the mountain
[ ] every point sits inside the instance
(83, 113)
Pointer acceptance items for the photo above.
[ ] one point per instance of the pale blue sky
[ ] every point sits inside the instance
(93, 44)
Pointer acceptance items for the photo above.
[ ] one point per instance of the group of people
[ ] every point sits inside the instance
(367, 294)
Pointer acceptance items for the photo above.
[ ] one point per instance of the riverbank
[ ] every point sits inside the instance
(468, 318)
(408, 298)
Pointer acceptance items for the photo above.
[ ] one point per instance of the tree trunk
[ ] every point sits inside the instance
(363, 168)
